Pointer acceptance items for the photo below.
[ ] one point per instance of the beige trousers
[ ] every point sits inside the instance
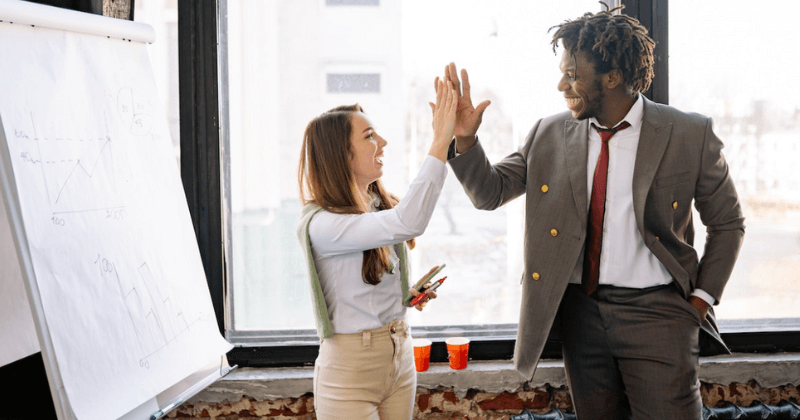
(368, 375)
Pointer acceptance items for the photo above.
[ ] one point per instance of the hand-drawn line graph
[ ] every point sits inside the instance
(80, 173)
(156, 320)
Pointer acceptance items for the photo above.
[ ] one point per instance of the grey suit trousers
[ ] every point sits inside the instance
(631, 353)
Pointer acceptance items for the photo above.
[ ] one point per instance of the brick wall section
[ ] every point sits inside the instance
(744, 395)
(443, 404)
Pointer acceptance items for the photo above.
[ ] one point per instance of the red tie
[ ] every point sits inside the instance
(597, 208)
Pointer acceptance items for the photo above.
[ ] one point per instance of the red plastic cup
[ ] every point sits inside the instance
(422, 354)
(458, 352)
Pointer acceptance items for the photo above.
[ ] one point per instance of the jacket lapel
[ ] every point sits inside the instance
(653, 141)
(577, 145)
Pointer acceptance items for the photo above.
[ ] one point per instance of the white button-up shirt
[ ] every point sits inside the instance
(338, 242)
(625, 261)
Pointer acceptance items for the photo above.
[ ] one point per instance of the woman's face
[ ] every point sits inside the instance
(367, 149)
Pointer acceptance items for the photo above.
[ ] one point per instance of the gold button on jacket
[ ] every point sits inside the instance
(674, 204)
(535, 276)
(544, 188)
(553, 232)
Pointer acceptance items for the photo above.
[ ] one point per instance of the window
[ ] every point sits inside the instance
(386, 62)
(352, 2)
(163, 17)
(353, 82)
(732, 75)
(274, 277)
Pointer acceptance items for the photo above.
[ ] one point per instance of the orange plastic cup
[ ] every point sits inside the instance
(458, 352)
(422, 354)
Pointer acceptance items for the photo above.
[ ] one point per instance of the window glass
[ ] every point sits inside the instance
(351, 2)
(738, 65)
(384, 57)
(162, 15)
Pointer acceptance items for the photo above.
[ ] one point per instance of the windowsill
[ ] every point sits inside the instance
(768, 370)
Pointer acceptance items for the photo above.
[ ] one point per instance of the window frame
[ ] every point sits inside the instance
(203, 131)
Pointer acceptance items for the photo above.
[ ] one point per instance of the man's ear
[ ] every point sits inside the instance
(613, 79)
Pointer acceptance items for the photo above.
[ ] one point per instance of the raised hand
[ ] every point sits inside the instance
(444, 119)
(468, 117)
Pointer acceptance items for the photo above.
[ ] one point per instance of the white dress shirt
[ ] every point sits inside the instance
(338, 242)
(625, 261)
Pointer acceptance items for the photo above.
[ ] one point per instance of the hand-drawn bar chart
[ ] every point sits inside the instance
(156, 319)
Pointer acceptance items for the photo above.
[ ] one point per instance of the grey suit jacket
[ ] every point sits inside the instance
(679, 161)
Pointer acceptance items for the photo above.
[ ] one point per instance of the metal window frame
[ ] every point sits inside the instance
(654, 14)
(203, 128)
(200, 128)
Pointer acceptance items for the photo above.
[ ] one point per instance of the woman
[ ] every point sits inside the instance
(354, 234)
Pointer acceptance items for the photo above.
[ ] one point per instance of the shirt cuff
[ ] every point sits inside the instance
(702, 294)
(433, 169)
(455, 149)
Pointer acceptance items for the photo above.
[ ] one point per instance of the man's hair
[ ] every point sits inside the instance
(613, 41)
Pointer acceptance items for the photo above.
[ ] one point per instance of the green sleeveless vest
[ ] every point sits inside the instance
(322, 318)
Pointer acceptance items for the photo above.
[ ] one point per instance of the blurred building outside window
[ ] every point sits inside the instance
(385, 56)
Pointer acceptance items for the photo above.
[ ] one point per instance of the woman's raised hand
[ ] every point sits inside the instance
(444, 119)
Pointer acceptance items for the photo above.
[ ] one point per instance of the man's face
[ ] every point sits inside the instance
(582, 87)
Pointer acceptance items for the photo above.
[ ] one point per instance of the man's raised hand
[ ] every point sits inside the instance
(468, 117)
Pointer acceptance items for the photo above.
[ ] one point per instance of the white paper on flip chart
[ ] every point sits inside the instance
(111, 242)
(17, 331)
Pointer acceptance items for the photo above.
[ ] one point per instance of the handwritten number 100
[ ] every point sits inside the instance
(58, 221)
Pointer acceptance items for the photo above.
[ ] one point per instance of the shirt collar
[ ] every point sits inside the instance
(633, 117)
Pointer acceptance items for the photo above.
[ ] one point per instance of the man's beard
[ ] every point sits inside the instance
(593, 102)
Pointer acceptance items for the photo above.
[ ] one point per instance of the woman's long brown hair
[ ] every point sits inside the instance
(325, 178)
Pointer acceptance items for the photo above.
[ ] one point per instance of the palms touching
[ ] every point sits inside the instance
(468, 117)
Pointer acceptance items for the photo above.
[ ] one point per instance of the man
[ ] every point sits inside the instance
(609, 262)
